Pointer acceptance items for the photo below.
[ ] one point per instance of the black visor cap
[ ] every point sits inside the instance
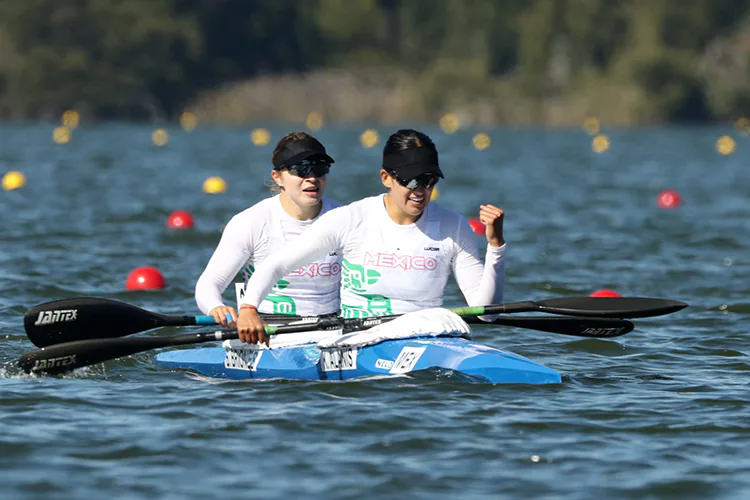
(411, 163)
(298, 151)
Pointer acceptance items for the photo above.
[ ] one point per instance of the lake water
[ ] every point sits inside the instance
(663, 412)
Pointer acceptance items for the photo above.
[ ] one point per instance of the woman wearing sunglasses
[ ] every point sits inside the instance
(300, 168)
(397, 248)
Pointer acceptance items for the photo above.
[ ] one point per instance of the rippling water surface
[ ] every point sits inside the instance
(660, 413)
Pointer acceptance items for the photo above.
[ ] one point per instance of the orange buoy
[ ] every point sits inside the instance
(477, 226)
(180, 219)
(145, 278)
(605, 293)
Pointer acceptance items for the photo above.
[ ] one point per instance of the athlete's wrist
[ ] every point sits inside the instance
(245, 307)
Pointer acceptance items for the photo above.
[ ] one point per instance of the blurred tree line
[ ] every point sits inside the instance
(682, 60)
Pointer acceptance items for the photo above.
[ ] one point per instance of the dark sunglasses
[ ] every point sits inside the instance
(303, 169)
(425, 180)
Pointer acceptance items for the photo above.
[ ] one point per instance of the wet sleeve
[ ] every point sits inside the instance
(325, 235)
(234, 250)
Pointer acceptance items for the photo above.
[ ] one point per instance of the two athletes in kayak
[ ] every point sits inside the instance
(397, 250)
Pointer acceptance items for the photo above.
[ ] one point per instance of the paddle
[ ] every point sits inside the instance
(65, 357)
(71, 355)
(619, 307)
(84, 318)
(578, 326)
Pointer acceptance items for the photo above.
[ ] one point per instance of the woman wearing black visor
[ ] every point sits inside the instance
(397, 248)
(300, 168)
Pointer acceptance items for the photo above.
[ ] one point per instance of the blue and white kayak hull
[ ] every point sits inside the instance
(390, 357)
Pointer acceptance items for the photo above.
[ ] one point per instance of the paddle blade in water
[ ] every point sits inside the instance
(63, 358)
(66, 357)
(598, 328)
(87, 317)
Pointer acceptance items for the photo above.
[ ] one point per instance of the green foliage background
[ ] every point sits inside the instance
(641, 60)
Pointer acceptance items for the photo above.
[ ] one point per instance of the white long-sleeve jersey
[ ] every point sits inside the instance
(389, 268)
(248, 240)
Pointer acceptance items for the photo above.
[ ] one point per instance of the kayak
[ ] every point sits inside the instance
(429, 340)
(452, 356)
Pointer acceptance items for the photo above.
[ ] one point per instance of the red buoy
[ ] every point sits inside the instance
(145, 278)
(180, 219)
(605, 293)
(669, 198)
(477, 226)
